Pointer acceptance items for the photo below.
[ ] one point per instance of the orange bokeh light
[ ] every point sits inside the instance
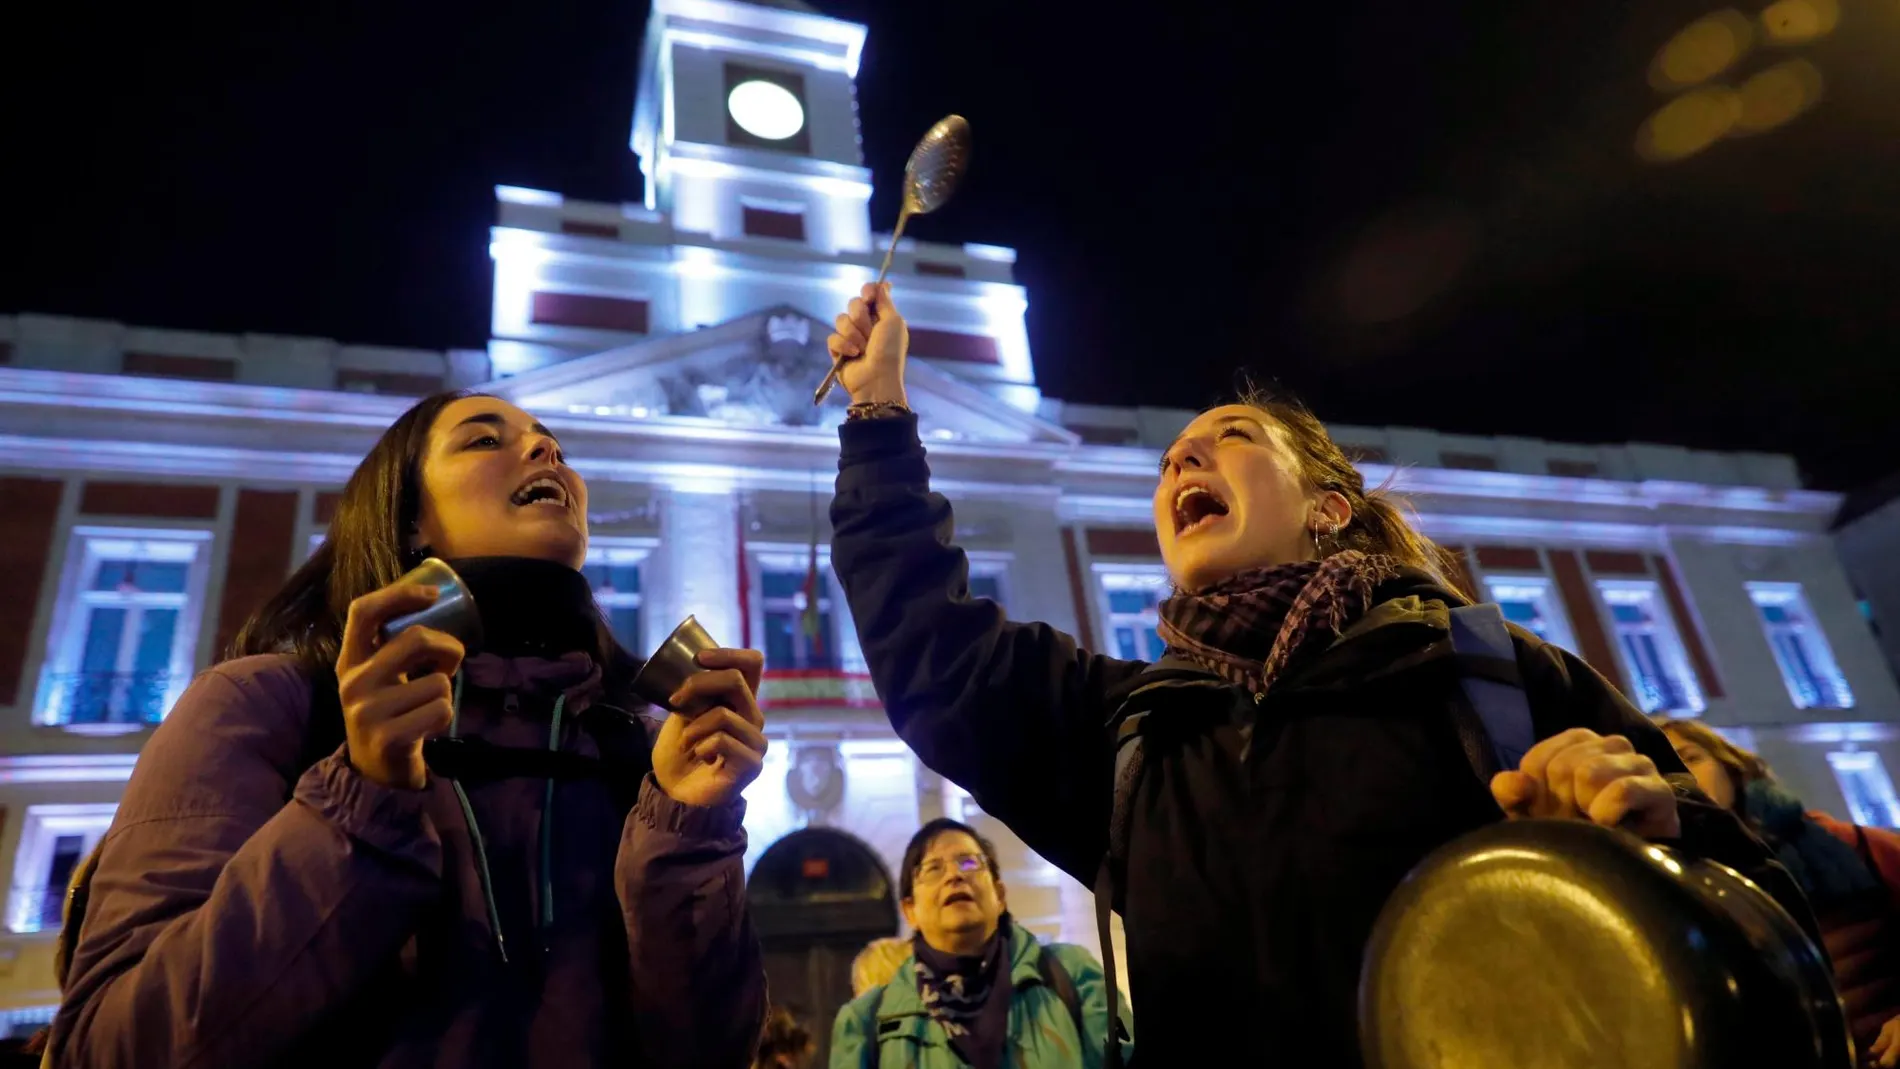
(1703, 49)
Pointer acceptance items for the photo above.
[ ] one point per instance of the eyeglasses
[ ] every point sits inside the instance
(937, 869)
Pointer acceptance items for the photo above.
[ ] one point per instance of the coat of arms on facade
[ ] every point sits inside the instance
(815, 782)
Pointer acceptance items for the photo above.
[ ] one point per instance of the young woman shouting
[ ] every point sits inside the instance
(260, 904)
(1299, 753)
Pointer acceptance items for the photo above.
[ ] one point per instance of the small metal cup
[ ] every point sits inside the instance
(452, 613)
(673, 663)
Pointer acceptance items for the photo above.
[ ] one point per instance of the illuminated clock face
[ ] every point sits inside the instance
(766, 110)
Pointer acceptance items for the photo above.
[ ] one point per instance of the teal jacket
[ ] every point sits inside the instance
(887, 1028)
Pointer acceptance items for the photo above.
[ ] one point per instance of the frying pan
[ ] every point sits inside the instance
(1561, 944)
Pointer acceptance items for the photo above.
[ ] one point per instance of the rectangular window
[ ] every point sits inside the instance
(772, 223)
(1869, 791)
(125, 646)
(1130, 603)
(1652, 654)
(613, 571)
(988, 577)
(1807, 665)
(592, 311)
(799, 634)
(1531, 603)
(53, 839)
(988, 587)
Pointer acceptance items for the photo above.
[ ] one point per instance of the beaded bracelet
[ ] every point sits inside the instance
(876, 410)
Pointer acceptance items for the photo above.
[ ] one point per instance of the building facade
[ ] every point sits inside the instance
(1867, 533)
(160, 484)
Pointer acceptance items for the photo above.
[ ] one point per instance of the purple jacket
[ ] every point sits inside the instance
(348, 928)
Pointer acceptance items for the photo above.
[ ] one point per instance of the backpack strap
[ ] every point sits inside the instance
(1496, 732)
(1058, 980)
(1125, 735)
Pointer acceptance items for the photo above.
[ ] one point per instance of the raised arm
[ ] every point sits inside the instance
(1015, 713)
(224, 924)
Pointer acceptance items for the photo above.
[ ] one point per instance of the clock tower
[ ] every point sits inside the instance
(746, 123)
(757, 203)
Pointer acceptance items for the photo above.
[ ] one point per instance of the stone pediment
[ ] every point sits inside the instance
(759, 371)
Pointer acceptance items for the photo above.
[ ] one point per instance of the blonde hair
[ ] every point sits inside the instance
(1743, 767)
(877, 963)
(1379, 522)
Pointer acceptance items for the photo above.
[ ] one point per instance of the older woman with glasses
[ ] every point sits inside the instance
(977, 989)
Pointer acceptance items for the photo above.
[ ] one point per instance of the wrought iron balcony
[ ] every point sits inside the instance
(110, 697)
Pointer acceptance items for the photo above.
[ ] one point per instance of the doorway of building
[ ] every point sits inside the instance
(817, 896)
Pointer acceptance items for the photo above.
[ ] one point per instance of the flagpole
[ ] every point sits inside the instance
(745, 583)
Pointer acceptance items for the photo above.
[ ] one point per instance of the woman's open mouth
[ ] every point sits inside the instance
(1196, 508)
(544, 490)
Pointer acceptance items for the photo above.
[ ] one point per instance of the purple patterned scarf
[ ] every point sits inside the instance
(1249, 627)
(969, 996)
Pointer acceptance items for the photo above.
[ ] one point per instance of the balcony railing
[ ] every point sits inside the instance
(817, 688)
(130, 698)
(36, 908)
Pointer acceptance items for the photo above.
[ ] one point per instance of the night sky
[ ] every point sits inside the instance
(1421, 214)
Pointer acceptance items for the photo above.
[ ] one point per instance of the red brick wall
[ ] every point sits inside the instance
(261, 532)
(1460, 572)
(589, 230)
(1078, 586)
(951, 345)
(166, 366)
(323, 510)
(26, 544)
(1509, 558)
(1686, 626)
(589, 310)
(1612, 563)
(766, 223)
(1585, 622)
(169, 501)
(1123, 542)
(392, 382)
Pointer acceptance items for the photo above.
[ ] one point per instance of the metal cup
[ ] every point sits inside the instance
(673, 663)
(453, 611)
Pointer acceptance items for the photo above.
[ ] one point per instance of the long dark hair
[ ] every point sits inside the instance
(366, 549)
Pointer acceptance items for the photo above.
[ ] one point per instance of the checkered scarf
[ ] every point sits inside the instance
(1247, 628)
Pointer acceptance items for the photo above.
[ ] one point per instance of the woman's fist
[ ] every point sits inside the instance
(871, 340)
(396, 695)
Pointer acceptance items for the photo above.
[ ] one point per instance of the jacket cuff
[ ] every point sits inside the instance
(385, 818)
(660, 811)
(865, 440)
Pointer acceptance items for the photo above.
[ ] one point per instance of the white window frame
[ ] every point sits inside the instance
(88, 548)
(1851, 763)
(1109, 577)
(1807, 634)
(316, 542)
(1538, 589)
(621, 552)
(42, 828)
(789, 558)
(994, 566)
(1673, 654)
